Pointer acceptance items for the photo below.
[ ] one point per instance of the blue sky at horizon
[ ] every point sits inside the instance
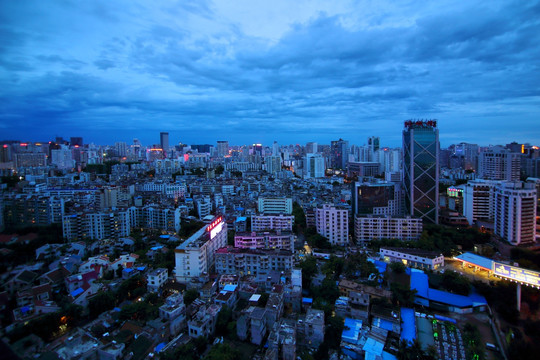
(259, 71)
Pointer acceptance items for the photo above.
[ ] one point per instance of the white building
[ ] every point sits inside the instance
(478, 200)
(314, 166)
(174, 311)
(195, 256)
(102, 225)
(498, 163)
(333, 224)
(515, 212)
(269, 205)
(272, 222)
(155, 279)
(273, 164)
(62, 158)
(417, 258)
(367, 228)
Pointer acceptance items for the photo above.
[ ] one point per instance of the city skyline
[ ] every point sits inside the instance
(258, 72)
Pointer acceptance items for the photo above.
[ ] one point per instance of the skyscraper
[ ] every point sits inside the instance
(340, 153)
(421, 169)
(164, 141)
(222, 148)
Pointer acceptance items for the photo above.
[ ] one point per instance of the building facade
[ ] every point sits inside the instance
(272, 222)
(267, 205)
(333, 224)
(196, 256)
(515, 212)
(242, 262)
(367, 228)
(421, 169)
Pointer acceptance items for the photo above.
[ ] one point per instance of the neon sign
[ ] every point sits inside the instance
(518, 274)
(420, 123)
(215, 227)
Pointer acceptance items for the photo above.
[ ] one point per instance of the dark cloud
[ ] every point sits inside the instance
(130, 66)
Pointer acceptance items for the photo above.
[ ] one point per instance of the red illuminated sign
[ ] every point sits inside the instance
(420, 123)
(214, 224)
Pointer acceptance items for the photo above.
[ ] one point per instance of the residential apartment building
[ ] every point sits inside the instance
(272, 222)
(264, 240)
(101, 225)
(499, 163)
(242, 262)
(269, 205)
(367, 228)
(156, 278)
(478, 200)
(196, 256)
(515, 212)
(333, 224)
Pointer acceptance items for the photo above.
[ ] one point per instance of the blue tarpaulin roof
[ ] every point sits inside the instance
(77, 292)
(240, 218)
(128, 270)
(419, 282)
(351, 330)
(160, 347)
(307, 300)
(381, 266)
(408, 325)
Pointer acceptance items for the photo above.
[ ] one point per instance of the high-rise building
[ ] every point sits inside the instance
(515, 212)
(164, 141)
(498, 163)
(421, 169)
(273, 164)
(314, 166)
(275, 149)
(62, 158)
(311, 148)
(333, 223)
(340, 154)
(380, 198)
(373, 143)
(76, 141)
(196, 256)
(222, 148)
(121, 149)
(478, 200)
(269, 205)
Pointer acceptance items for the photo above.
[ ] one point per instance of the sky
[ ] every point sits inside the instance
(251, 71)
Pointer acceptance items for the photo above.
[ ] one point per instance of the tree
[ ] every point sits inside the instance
(200, 344)
(223, 319)
(333, 267)
(190, 296)
(309, 268)
(222, 352)
(398, 267)
(103, 301)
(402, 295)
(456, 283)
(299, 218)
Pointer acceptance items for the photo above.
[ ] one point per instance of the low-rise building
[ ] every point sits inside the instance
(417, 258)
(155, 279)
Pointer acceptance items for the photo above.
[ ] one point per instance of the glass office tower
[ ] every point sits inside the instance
(421, 169)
